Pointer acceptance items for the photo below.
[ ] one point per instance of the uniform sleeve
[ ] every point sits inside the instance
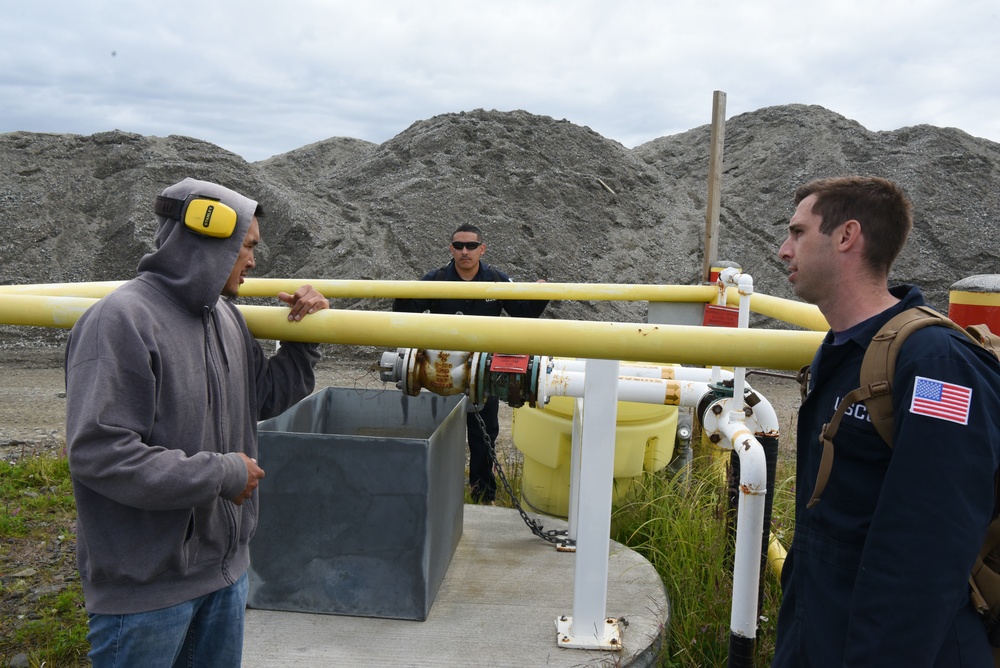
(935, 504)
(521, 308)
(415, 305)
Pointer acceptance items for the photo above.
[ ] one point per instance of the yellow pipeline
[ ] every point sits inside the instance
(786, 310)
(42, 310)
(95, 289)
(269, 287)
(771, 349)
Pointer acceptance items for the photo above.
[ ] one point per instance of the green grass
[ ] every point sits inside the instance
(43, 615)
(678, 524)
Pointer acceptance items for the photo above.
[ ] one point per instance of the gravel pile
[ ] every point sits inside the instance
(556, 200)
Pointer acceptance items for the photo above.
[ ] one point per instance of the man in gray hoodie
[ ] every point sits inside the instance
(164, 388)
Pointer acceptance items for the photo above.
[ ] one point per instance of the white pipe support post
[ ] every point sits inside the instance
(589, 627)
(729, 425)
(727, 278)
(574, 470)
(745, 286)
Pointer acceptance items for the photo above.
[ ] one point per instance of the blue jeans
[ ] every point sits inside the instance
(206, 632)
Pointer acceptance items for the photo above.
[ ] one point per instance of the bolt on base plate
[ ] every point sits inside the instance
(607, 638)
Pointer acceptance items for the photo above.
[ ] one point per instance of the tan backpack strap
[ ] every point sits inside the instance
(826, 440)
(984, 579)
(879, 365)
(986, 338)
(878, 368)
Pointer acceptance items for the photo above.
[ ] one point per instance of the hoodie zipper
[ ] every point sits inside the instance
(216, 366)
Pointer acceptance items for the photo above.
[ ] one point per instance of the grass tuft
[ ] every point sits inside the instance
(679, 523)
(42, 616)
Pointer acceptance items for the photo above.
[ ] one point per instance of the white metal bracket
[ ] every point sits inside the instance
(607, 638)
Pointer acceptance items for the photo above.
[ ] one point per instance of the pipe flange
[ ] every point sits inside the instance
(477, 377)
(712, 415)
(539, 371)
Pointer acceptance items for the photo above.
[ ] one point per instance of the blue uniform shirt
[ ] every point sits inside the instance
(519, 308)
(877, 574)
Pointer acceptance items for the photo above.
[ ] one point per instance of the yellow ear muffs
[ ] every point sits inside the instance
(202, 215)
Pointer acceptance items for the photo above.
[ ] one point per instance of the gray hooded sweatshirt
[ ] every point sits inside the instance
(164, 387)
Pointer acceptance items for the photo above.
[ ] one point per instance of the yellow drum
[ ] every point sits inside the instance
(644, 441)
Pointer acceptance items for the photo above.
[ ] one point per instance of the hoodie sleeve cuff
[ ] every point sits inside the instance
(234, 475)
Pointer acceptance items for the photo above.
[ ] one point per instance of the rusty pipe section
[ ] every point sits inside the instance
(443, 372)
(511, 378)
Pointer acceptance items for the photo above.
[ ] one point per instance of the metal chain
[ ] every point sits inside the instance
(559, 538)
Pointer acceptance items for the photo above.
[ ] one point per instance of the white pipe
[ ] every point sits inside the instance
(749, 524)
(727, 426)
(763, 419)
(728, 278)
(631, 388)
(641, 370)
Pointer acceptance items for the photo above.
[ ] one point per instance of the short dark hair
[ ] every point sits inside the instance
(259, 211)
(881, 206)
(468, 227)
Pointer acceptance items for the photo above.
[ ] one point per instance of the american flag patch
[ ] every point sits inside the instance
(941, 400)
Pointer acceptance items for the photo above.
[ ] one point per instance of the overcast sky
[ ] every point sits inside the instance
(262, 78)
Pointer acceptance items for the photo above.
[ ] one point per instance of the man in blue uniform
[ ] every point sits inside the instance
(878, 570)
(467, 249)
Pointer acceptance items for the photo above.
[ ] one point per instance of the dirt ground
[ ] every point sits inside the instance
(33, 398)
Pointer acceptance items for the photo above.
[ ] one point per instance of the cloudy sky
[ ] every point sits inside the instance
(262, 78)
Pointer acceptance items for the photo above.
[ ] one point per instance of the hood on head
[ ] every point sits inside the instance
(192, 268)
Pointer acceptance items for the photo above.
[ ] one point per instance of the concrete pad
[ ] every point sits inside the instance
(497, 606)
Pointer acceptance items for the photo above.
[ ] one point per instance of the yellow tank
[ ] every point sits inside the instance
(644, 441)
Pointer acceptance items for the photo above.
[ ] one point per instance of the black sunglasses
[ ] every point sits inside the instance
(471, 245)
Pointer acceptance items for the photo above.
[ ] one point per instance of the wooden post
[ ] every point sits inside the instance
(714, 182)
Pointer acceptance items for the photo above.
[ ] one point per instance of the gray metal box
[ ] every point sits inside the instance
(361, 505)
(675, 313)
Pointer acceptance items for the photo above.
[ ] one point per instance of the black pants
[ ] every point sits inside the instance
(481, 479)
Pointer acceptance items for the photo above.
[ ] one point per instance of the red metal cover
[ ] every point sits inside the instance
(509, 363)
